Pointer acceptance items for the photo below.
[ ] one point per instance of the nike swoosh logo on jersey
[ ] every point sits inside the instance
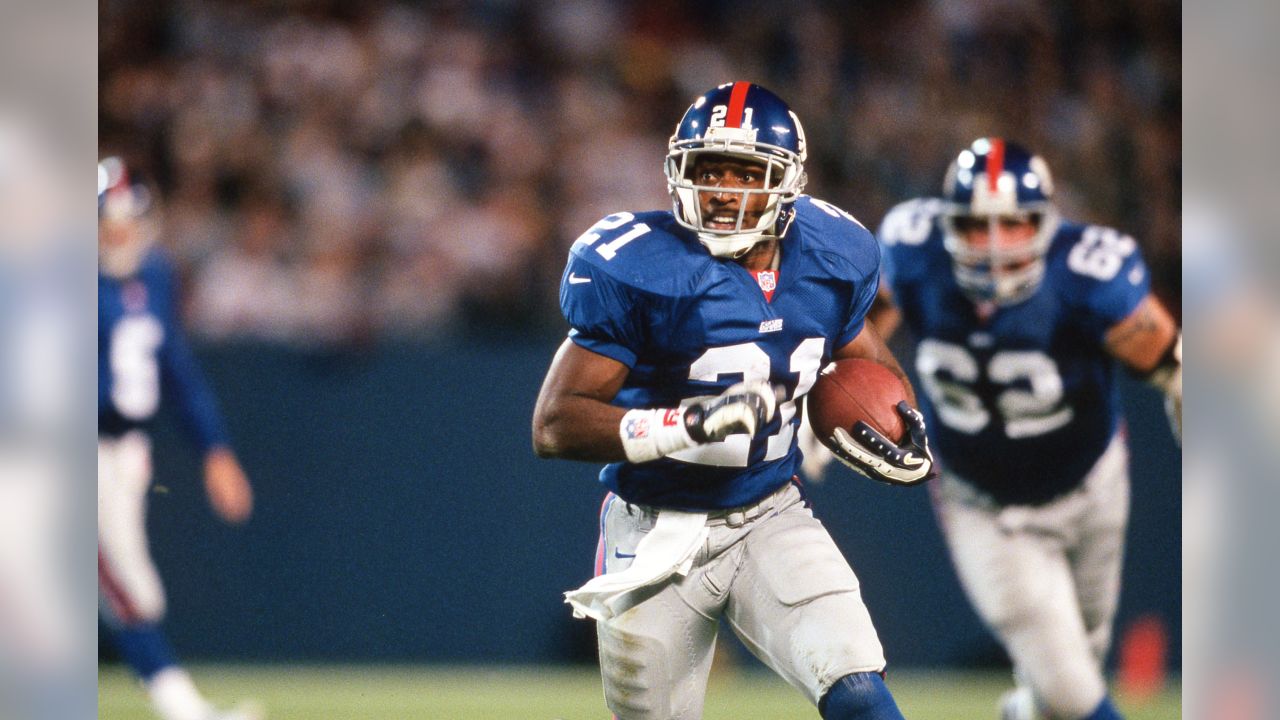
(622, 555)
(574, 279)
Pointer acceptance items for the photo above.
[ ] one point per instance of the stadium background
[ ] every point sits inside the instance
(371, 205)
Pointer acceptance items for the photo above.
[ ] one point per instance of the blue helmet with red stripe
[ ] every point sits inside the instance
(745, 121)
(998, 220)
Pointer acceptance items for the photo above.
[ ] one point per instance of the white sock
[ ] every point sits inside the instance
(175, 697)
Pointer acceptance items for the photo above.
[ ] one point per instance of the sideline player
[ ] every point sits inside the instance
(694, 334)
(142, 356)
(1019, 318)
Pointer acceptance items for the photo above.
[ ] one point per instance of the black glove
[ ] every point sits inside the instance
(875, 456)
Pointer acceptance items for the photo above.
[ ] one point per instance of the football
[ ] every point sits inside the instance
(856, 389)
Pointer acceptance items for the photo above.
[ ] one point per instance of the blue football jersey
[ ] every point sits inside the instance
(143, 355)
(1023, 403)
(642, 290)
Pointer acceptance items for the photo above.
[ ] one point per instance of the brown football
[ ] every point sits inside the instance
(855, 389)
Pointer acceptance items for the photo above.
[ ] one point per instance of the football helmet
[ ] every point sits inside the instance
(995, 183)
(126, 228)
(745, 121)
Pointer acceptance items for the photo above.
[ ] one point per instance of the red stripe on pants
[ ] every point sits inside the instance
(115, 595)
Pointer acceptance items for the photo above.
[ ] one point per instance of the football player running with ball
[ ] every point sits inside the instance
(1019, 319)
(694, 336)
(142, 357)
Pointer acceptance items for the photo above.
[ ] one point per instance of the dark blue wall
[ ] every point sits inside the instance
(403, 516)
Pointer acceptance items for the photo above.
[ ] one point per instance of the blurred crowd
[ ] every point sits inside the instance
(339, 172)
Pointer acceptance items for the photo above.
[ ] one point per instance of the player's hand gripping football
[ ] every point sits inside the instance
(743, 408)
(872, 454)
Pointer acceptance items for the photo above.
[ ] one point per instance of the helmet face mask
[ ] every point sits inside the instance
(745, 123)
(997, 258)
(998, 221)
(126, 222)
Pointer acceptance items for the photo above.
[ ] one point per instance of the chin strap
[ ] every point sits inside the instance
(774, 263)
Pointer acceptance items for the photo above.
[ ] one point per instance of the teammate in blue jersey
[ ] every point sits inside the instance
(1020, 318)
(142, 358)
(694, 336)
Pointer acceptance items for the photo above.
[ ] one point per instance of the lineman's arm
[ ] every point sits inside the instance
(1148, 343)
(573, 419)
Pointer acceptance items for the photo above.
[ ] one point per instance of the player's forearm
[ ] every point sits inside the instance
(578, 428)
(870, 346)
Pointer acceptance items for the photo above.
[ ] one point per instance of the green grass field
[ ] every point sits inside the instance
(435, 693)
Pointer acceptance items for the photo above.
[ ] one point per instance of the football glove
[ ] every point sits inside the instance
(872, 454)
(743, 408)
(648, 434)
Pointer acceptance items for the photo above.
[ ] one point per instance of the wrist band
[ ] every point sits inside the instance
(654, 433)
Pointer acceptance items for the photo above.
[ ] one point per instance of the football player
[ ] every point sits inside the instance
(694, 335)
(142, 358)
(1020, 320)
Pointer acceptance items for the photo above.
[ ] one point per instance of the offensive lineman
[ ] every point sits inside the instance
(694, 334)
(142, 356)
(1019, 318)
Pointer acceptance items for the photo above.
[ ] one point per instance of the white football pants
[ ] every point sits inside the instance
(772, 572)
(129, 589)
(1046, 579)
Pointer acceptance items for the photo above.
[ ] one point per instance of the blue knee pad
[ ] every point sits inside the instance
(1104, 711)
(859, 696)
(144, 648)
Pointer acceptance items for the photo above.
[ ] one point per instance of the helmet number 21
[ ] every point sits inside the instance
(719, 112)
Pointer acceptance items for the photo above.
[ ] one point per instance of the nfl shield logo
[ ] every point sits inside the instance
(768, 280)
(637, 428)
